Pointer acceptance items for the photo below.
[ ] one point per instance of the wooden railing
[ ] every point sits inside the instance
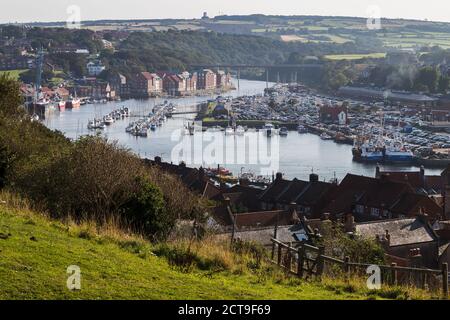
(305, 261)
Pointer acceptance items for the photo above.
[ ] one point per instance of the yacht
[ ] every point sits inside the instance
(108, 120)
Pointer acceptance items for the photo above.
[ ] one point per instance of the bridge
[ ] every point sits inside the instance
(294, 69)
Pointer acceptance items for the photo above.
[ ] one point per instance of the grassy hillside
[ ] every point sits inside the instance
(35, 253)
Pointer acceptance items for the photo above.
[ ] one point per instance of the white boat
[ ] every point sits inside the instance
(240, 131)
(108, 120)
(325, 136)
(229, 131)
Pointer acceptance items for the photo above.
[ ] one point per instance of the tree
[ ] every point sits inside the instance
(428, 77)
(10, 98)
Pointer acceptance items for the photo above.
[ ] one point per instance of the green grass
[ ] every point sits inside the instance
(377, 55)
(36, 251)
(13, 73)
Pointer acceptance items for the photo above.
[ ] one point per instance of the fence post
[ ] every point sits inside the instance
(394, 273)
(445, 280)
(347, 266)
(273, 250)
(279, 254)
(320, 261)
(289, 256)
(301, 253)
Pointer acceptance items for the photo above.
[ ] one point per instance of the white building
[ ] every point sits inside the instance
(95, 68)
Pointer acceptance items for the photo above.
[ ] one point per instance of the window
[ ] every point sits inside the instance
(360, 209)
(375, 212)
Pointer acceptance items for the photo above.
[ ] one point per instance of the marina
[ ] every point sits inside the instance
(303, 152)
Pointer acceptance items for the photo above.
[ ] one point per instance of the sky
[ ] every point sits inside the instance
(56, 10)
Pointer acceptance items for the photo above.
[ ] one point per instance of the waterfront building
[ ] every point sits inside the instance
(146, 84)
(207, 80)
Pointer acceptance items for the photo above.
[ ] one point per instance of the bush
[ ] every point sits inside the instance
(146, 211)
(338, 244)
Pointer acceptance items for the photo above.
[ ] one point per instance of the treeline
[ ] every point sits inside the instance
(90, 179)
(178, 50)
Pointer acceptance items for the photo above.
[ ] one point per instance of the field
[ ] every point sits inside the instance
(35, 253)
(394, 33)
(13, 73)
(356, 56)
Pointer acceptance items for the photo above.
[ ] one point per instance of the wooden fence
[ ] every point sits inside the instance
(307, 261)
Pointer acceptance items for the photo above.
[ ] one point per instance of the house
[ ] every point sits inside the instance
(174, 84)
(333, 114)
(421, 183)
(119, 83)
(102, 90)
(146, 84)
(15, 62)
(206, 80)
(95, 68)
(190, 80)
(376, 199)
(308, 197)
(410, 242)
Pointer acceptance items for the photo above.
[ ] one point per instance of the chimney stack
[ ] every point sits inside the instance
(279, 176)
(313, 177)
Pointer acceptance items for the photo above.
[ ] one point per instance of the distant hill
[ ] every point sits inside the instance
(395, 33)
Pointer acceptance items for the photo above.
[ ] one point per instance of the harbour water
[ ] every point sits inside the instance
(298, 154)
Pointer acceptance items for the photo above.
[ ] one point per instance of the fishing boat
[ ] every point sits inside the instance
(73, 103)
(61, 105)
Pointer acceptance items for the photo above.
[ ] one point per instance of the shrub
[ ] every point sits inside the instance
(145, 210)
(337, 243)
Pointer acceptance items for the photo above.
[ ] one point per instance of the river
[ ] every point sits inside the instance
(296, 155)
